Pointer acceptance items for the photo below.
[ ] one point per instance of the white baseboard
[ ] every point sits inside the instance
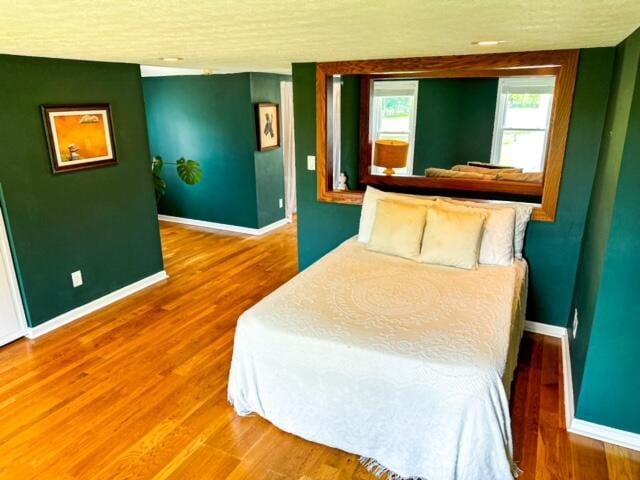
(576, 425)
(225, 227)
(605, 434)
(567, 375)
(544, 329)
(87, 308)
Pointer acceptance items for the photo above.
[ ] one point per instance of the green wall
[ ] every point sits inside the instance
(596, 236)
(102, 221)
(454, 122)
(321, 226)
(269, 165)
(350, 129)
(604, 354)
(552, 249)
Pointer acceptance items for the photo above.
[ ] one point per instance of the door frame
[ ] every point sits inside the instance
(293, 178)
(6, 255)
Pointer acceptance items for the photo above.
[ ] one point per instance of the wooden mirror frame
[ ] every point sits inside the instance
(561, 63)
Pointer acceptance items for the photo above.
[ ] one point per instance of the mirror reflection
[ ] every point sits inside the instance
(483, 128)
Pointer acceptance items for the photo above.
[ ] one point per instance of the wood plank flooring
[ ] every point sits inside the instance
(138, 389)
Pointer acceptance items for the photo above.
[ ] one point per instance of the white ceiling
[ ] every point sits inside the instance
(259, 35)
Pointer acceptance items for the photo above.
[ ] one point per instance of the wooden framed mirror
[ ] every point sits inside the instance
(488, 126)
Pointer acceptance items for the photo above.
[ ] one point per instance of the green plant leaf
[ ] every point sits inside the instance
(156, 165)
(160, 187)
(189, 171)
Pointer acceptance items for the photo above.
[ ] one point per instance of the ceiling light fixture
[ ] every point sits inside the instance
(170, 59)
(487, 43)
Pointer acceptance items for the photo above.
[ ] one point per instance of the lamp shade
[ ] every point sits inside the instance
(390, 154)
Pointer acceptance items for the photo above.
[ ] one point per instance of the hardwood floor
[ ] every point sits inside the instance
(138, 389)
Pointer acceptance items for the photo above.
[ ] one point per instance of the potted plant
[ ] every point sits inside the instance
(189, 172)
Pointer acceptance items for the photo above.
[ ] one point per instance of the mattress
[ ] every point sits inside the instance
(405, 364)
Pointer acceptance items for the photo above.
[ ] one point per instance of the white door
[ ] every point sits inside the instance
(12, 320)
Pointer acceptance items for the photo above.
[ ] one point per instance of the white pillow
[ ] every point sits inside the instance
(496, 247)
(523, 214)
(398, 228)
(370, 202)
(452, 237)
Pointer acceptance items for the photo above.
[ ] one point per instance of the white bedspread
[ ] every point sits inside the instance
(393, 360)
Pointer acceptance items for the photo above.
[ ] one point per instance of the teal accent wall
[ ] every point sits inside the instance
(211, 118)
(454, 122)
(552, 249)
(605, 353)
(101, 221)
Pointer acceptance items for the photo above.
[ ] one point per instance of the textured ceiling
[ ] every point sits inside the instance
(259, 35)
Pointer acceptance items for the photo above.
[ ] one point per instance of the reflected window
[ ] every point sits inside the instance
(522, 122)
(393, 117)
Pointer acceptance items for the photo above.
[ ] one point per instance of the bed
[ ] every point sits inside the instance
(404, 364)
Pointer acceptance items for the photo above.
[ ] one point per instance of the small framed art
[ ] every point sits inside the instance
(268, 124)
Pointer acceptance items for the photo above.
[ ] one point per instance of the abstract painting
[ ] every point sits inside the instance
(268, 116)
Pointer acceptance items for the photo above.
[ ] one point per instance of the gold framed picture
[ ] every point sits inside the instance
(268, 123)
(79, 136)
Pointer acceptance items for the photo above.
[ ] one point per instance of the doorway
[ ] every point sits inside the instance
(13, 323)
(288, 148)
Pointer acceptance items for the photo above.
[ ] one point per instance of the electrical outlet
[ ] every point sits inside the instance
(280, 203)
(311, 162)
(76, 279)
(575, 323)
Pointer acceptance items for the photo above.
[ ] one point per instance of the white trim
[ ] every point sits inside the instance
(605, 434)
(545, 329)
(158, 71)
(567, 376)
(76, 313)
(5, 253)
(575, 425)
(223, 226)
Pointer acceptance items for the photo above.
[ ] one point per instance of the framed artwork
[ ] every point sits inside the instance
(79, 136)
(268, 122)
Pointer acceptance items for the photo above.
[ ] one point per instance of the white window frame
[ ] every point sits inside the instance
(507, 85)
(411, 87)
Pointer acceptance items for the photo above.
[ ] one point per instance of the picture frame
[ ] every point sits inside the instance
(268, 126)
(79, 137)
